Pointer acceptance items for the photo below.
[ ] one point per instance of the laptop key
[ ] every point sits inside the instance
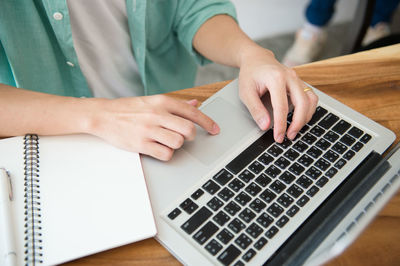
(282, 221)
(328, 121)
(303, 201)
(331, 172)
(275, 150)
(246, 176)
(236, 184)
(249, 255)
(282, 162)
(341, 127)
(349, 154)
(296, 169)
(358, 146)
(215, 204)
(253, 189)
(322, 164)
(213, 247)
(355, 132)
(339, 164)
(226, 194)
(243, 198)
(305, 160)
(304, 181)
(293, 210)
(275, 210)
(232, 208)
(224, 236)
(339, 148)
(196, 220)
(272, 232)
(313, 172)
(277, 186)
(347, 139)
(221, 218)
(314, 152)
(322, 181)
(229, 255)
(285, 143)
(251, 152)
(211, 187)
(323, 144)
(256, 167)
(287, 177)
(207, 231)
(265, 220)
(267, 195)
(188, 206)
(312, 191)
(247, 215)
(309, 138)
(285, 200)
(317, 131)
(263, 180)
(239, 263)
(294, 191)
(236, 225)
(197, 194)
(266, 158)
(223, 177)
(319, 113)
(257, 205)
(331, 136)
(254, 230)
(291, 154)
(175, 213)
(300, 146)
(273, 171)
(260, 243)
(331, 156)
(243, 241)
(365, 138)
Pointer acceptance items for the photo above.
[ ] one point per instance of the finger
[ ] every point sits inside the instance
(167, 137)
(157, 151)
(193, 102)
(252, 101)
(313, 101)
(280, 106)
(301, 108)
(193, 114)
(178, 124)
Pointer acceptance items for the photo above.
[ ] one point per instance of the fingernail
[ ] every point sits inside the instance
(215, 129)
(280, 138)
(262, 123)
(292, 135)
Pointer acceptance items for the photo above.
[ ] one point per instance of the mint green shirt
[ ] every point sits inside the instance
(37, 52)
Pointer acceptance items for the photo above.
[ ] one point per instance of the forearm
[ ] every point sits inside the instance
(23, 111)
(221, 40)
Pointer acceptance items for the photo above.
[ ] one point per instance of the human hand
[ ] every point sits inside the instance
(152, 125)
(260, 73)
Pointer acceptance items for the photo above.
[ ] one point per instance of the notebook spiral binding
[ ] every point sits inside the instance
(33, 230)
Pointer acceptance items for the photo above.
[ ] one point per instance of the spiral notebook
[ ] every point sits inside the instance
(72, 196)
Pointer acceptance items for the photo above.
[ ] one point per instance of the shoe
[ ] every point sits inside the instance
(377, 32)
(306, 47)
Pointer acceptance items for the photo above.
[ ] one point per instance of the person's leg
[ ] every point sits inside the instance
(319, 12)
(379, 27)
(311, 38)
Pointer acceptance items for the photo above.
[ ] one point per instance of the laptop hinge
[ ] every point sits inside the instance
(303, 242)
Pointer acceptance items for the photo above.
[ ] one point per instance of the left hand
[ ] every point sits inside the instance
(260, 73)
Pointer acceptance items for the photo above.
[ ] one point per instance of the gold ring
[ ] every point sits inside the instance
(307, 89)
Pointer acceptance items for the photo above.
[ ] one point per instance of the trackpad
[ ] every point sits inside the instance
(234, 125)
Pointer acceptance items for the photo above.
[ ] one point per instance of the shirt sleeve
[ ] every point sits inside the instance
(191, 14)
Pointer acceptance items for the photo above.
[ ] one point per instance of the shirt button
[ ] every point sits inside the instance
(58, 16)
(70, 64)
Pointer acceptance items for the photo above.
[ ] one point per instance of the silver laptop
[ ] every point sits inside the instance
(240, 198)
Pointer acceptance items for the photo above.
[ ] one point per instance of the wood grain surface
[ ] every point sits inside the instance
(368, 82)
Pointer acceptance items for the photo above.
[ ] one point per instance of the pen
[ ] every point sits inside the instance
(9, 255)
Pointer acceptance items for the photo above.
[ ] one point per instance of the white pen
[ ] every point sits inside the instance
(9, 255)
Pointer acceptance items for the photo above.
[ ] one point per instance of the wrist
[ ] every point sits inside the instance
(254, 52)
(89, 115)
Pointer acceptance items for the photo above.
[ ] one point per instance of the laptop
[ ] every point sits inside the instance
(240, 198)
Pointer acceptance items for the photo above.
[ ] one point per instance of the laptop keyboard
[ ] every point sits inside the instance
(250, 201)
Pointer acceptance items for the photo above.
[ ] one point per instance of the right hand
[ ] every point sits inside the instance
(152, 125)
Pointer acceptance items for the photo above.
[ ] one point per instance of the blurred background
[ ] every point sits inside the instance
(273, 24)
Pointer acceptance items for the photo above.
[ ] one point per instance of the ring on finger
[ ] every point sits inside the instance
(307, 89)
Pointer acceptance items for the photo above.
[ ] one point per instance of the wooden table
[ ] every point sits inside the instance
(368, 82)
